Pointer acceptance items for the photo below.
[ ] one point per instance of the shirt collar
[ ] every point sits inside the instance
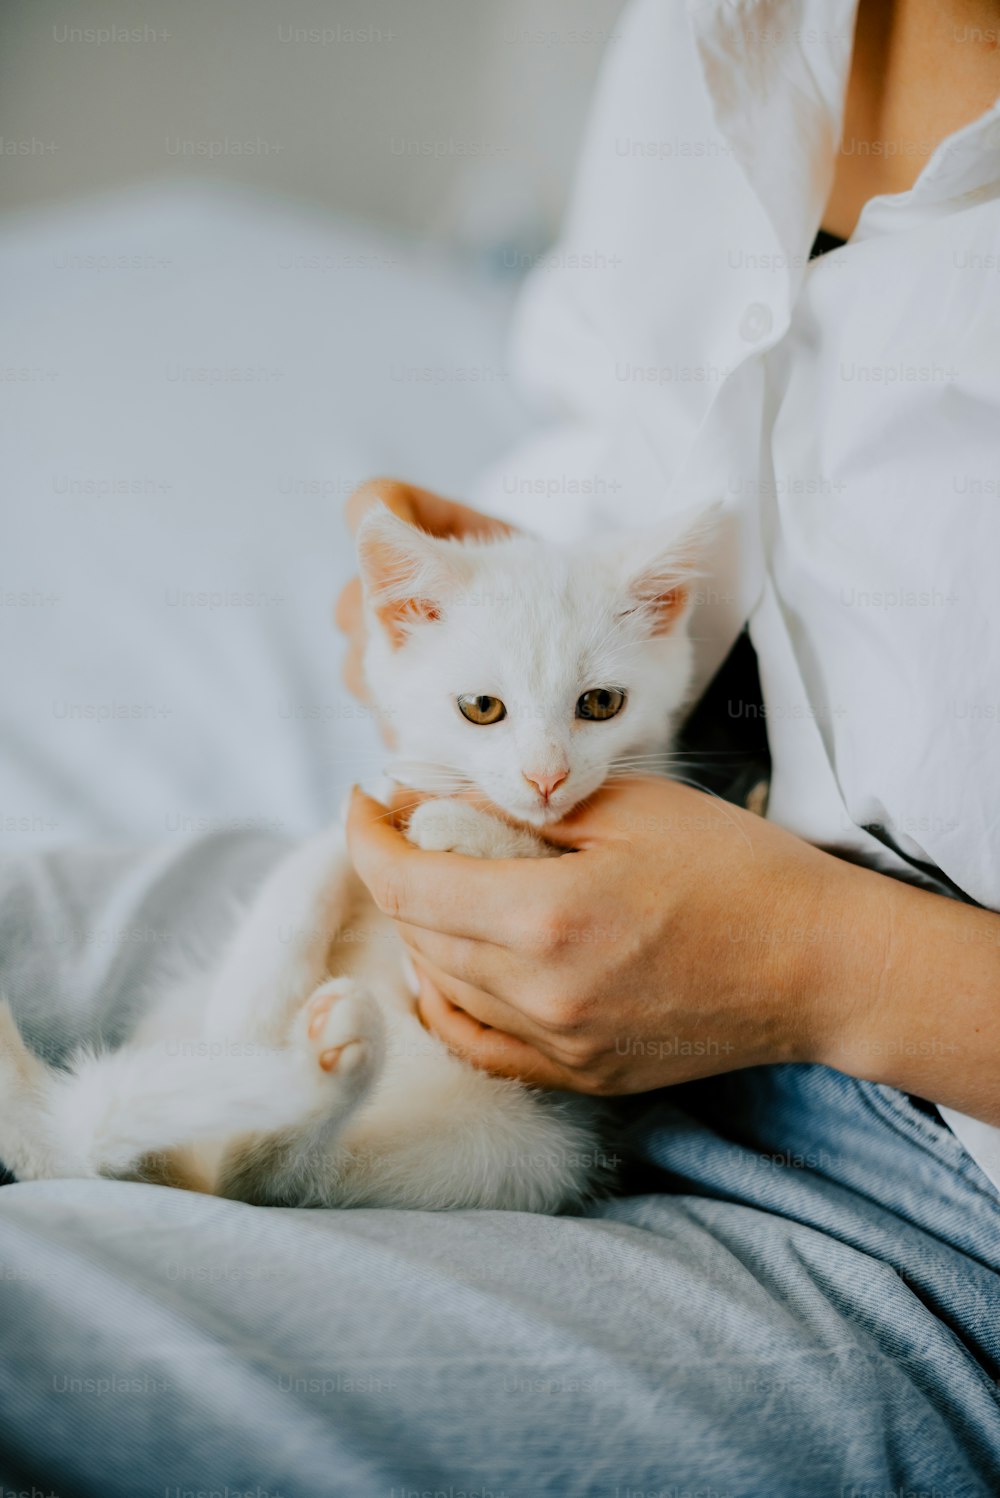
(964, 168)
(776, 75)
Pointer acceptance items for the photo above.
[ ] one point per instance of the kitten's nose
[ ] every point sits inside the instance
(545, 784)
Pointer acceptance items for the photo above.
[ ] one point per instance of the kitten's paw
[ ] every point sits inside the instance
(449, 826)
(344, 1030)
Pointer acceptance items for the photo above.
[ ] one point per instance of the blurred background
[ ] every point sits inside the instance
(452, 118)
(254, 252)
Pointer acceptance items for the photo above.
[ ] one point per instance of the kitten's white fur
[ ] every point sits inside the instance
(299, 1074)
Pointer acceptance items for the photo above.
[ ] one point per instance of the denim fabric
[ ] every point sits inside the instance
(798, 1295)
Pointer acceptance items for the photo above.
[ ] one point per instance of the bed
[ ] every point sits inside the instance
(194, 380)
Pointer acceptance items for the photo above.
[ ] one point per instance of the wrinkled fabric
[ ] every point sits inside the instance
(798, 1294)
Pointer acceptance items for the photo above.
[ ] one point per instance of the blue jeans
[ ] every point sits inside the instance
(798, 1294)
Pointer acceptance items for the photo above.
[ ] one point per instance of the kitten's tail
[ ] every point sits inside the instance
(109, 1109)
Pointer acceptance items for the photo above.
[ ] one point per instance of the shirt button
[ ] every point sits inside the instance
(756, 322)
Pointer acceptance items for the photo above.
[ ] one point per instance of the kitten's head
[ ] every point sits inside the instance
(529, 671)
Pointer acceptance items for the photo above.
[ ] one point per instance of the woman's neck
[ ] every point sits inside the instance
(920, 71)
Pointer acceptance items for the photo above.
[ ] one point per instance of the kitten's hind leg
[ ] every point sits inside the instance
(345, 1031)
(109, 1111)
(280, 951)
(342, 1031)
(26, 1148)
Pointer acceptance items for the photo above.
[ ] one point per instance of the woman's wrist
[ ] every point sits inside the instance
(846, 981)
(827, 940)
(905, 991)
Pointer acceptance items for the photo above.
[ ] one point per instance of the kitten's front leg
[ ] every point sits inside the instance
(452, 826)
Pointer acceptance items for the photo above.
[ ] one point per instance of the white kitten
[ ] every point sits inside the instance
(298, 1074)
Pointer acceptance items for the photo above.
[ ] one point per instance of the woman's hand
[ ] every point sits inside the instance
(680, 940)
(441, 517)
(683, 938)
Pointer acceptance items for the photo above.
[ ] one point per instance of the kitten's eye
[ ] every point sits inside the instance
(482, 709)
(600, 703)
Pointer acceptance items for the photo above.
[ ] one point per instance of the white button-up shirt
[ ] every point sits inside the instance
(846, 410)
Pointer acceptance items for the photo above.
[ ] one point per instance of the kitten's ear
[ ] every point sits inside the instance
(660, 568)
(406, 574)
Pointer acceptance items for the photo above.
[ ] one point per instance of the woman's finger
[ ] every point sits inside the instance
(492, 1050)
(450, 892)
(352, 674)
(492, 969)
(431, 512)
(481, 1004)
(348, 610)
(393, 493)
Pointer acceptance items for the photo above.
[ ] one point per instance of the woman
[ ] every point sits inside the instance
(833, 1148)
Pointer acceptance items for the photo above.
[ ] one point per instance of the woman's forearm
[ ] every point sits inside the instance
(684, 937)
(911, 982)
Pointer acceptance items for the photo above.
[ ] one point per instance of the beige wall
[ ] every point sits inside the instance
(457, 117)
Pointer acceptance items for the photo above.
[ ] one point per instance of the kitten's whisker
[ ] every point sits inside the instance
(653, 766)
(395, 811)
(654, 760)
(728, 810)
(640, 759)
(637, 775)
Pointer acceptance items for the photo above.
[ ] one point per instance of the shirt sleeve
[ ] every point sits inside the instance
(573, 474)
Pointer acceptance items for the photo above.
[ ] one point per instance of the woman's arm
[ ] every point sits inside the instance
(684, 938)
(927, 1018)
